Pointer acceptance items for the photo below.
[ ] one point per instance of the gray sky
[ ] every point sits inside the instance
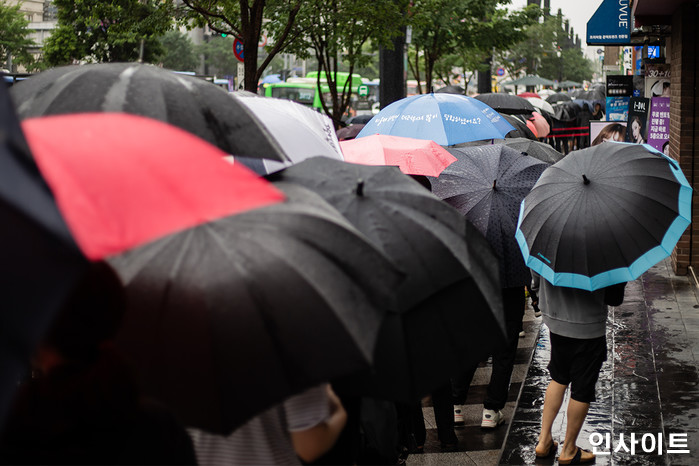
(578, 12)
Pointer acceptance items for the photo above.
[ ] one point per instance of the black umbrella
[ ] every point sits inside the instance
(521, 129)
(193, 104)
(452, 90)
(536, 149)
(40, 260)
(558, 97)
(426, 337)
(487, 184)
(506, 103)
(604, 215)
(566, 111)
(233, 316)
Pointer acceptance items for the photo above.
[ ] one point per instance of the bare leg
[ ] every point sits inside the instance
(577, 412)
(552, 404)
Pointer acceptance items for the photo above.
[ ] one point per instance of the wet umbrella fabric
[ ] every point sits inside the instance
(451, 90)
(190, 103)
(528, 95)
(541, 105)
(558, 97)
(566, 111)
(604, 215)
(412, 156)
(349, 132)
(233, 316)
(40, 260)
(487, 184)
(447, 119)
(521, 130)
(535, 149)
(122, 180)
(425, 337)
(300, 132)
(506, 103)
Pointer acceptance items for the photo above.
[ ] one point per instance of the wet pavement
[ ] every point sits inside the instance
(647, 408)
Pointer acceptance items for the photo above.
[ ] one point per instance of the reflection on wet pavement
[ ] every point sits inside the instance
(648, 389)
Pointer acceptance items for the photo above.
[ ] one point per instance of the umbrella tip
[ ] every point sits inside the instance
(494, 182)
(360, 187)
(524, 153)
(585, 180)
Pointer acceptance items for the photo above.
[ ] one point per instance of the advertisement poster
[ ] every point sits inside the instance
(657, 87)
(637, 126)
(619, 86)
(617, 108)
(659, 124)
(601, 131)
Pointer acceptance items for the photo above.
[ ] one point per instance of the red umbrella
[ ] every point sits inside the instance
(412, 156)
(542, 126)
(529, 94)
(122, 180)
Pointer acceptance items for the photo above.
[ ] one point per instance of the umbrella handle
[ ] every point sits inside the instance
(585, 180)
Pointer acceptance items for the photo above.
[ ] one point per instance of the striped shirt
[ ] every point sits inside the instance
(265, 439)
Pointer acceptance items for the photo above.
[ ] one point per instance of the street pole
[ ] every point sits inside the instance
(392, 71)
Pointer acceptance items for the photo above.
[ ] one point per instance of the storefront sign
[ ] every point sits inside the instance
(659, 123)
(610, 24)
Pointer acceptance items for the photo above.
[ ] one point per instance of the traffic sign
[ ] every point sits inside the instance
(238, 49)
(363, 90)
(500, 71)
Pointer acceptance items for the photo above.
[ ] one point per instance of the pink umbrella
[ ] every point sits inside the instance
(529, 94)
(542, 126)
(412, 156)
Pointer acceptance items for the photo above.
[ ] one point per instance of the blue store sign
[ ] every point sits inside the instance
(611, 24)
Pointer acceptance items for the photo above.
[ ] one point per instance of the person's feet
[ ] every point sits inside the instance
(545, 450)
(491, 419)
(579, 457)
(458, 415)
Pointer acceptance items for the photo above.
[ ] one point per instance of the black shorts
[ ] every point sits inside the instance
(577, 362)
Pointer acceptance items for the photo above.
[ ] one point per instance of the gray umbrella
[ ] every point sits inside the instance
(193, 104)
(487, 185)
(536, 149)
(506, 103)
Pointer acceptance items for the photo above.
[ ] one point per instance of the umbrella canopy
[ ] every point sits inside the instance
(40, 260)
(536, 149)
(558, 97)
(506, 103)
(359, 119)
(451, 90)
(566, 111)
(349, 132)
(427, 335)
(541, 105)
(300, 132)
(446, 119)
(412, 156)
(122, 180)
(190, 103)
(233, 316)
(521, 130)
(487, 184)
(527, 95)
(604, 215)
(568, 84)
(529, 80)
(543, 128)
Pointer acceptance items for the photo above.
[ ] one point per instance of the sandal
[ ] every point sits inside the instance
(553, 447)
(578, 459)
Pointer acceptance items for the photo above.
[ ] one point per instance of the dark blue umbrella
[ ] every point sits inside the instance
(604, 215)
(447, 119)
(487, 184)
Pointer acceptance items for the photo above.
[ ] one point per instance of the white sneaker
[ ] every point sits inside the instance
(458, 415)
(492, 419)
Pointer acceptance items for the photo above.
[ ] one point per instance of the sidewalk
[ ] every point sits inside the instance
(648, 388)
(477, 446)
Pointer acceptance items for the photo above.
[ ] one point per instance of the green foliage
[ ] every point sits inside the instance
(341, 34)
(99, 31)
(13, 35)
(218, 56)
(178, 52)
(462, 33)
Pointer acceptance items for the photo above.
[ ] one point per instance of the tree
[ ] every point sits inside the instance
(465, 29)
(337, 32)
(14, 41)
(98, 31)
(178, 52)
(246, 20)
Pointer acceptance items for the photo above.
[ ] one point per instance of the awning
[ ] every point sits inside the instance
(610, 24)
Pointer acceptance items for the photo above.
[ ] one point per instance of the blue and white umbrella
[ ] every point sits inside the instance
(604, 215)
(447, 119)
